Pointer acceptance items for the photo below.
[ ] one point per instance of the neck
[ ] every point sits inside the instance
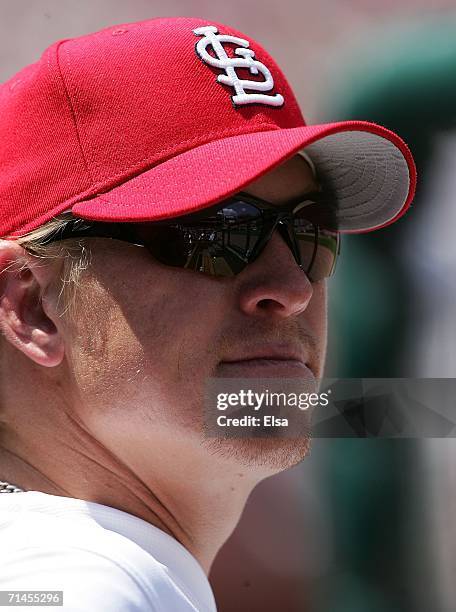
(199, 508)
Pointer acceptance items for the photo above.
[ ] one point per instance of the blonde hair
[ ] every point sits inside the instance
(76, 256)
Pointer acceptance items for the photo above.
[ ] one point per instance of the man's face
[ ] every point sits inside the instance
(146, 337)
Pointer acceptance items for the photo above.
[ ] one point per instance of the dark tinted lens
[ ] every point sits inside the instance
(241, 227)
(166, 243)
(218, 244)
(324, 262)
(318, 248)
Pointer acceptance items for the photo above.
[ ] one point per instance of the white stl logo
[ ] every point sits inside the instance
(229, 64)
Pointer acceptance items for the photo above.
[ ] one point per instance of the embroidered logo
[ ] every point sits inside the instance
(245, 59)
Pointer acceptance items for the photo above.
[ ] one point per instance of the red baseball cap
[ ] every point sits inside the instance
(154, 119)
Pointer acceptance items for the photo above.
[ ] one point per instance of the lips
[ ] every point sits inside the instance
(270, 353)
(266, 361)
(258, 361)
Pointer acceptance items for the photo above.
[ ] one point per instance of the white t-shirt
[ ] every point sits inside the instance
(103, 559)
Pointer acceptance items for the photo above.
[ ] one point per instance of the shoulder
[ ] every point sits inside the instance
(93, 579)
(96, 569)
(90, 580)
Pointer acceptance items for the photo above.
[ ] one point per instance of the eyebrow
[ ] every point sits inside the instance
(314, 189)
(313, 196)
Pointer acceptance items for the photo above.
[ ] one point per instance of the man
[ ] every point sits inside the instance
(115, 315)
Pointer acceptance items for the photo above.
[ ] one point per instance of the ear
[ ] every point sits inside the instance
(28, 311)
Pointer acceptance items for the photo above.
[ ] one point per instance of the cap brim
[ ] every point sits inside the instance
(368, 169)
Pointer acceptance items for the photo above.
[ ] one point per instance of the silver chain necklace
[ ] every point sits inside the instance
(6, 487)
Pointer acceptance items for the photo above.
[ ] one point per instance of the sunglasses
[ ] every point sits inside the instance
(223, 239)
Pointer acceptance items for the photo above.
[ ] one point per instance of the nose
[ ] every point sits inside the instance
(274, 284)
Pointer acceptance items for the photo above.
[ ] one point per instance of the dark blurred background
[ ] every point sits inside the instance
(362, 524)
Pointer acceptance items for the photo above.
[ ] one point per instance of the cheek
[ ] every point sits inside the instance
(154, 342)
(316, 317)
(104, 354)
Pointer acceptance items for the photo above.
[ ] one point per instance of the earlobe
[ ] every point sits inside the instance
(26, 317)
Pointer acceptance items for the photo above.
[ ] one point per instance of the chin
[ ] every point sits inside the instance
(267, 455)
